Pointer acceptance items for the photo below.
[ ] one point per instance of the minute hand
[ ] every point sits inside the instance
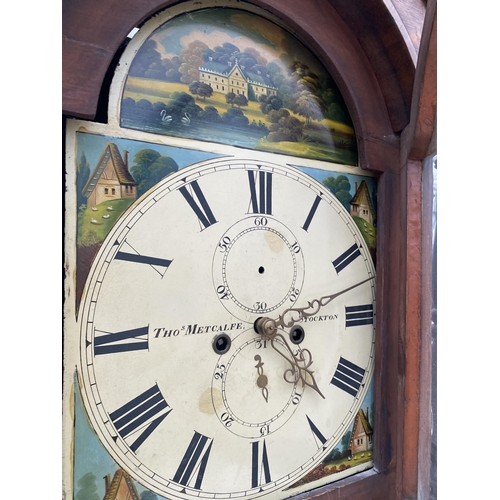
(312, 307)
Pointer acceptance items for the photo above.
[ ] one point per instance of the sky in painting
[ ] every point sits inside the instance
(93, 147)
(243, 29)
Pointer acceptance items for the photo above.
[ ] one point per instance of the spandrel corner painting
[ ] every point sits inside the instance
(203, 86)
(232, 77)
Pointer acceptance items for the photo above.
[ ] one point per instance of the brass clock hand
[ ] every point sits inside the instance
(299, 363)
(312, 307)
(261, 379)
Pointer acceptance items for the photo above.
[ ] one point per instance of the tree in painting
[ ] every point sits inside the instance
(82, 176)
(148, 495)
(87, 488)
(191, 60)
(150, 167)
(200, 89)
(284, 127)
(148, 63)
(340, 187)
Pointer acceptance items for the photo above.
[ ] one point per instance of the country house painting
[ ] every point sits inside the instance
(229, 76)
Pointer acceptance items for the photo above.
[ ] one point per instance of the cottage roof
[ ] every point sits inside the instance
(124, 176)
(363, 419)
(217, 68)
(121, 475)
(358, 196)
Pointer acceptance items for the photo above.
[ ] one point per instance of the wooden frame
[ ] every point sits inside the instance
(393, 106)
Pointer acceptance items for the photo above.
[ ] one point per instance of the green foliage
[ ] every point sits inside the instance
(308, 105)
(210, 114)
(200, 89)
(82, 176)
(230, 96)
(148, 495)
(235, 118)
(260, 127)
(284, 127)
(182, 103)
(346, 438)
(205, 91)
(143, 112)
(270, 103)
(340, 187)
(150, 167)
(335, 112)
(88, 488)
(147, 63)
(171, 68)
(240, 100)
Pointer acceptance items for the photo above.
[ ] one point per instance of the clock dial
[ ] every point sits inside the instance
(179, 385)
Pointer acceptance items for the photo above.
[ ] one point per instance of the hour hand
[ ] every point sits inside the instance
(300, 363)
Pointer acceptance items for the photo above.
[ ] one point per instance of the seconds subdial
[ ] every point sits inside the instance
(267, 254)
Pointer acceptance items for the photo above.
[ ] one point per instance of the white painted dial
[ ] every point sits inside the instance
(205, 253)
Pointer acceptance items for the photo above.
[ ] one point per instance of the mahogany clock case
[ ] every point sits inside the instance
(370, 109)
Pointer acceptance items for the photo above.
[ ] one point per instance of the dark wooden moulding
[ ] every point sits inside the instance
(393, 107)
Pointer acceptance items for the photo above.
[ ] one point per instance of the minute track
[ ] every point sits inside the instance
(224, 265)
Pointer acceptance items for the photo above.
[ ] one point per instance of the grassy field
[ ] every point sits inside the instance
(368, 231)
(158, 91)
(308, 150)
(92, 232)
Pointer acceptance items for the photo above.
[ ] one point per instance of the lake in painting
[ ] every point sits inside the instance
(229, 76)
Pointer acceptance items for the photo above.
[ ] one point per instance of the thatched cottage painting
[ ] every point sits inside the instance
(111, 179)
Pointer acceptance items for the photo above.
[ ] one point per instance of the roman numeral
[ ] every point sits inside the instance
(348, 376)
(127, 340)
(322, 439)
(144, 413)
(261, 192)
(310, 216)
(158, 264)
(346, 258)
(359, 315)
(142, 259)
(261, 473)
(194, 462)
(199, 206)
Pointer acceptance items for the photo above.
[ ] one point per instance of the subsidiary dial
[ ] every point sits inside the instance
(258, 267)
(249, 394)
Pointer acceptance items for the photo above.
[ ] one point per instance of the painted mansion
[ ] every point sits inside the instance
(233, 78)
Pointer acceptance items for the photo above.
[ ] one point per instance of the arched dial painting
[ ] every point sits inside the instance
(220, 322)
